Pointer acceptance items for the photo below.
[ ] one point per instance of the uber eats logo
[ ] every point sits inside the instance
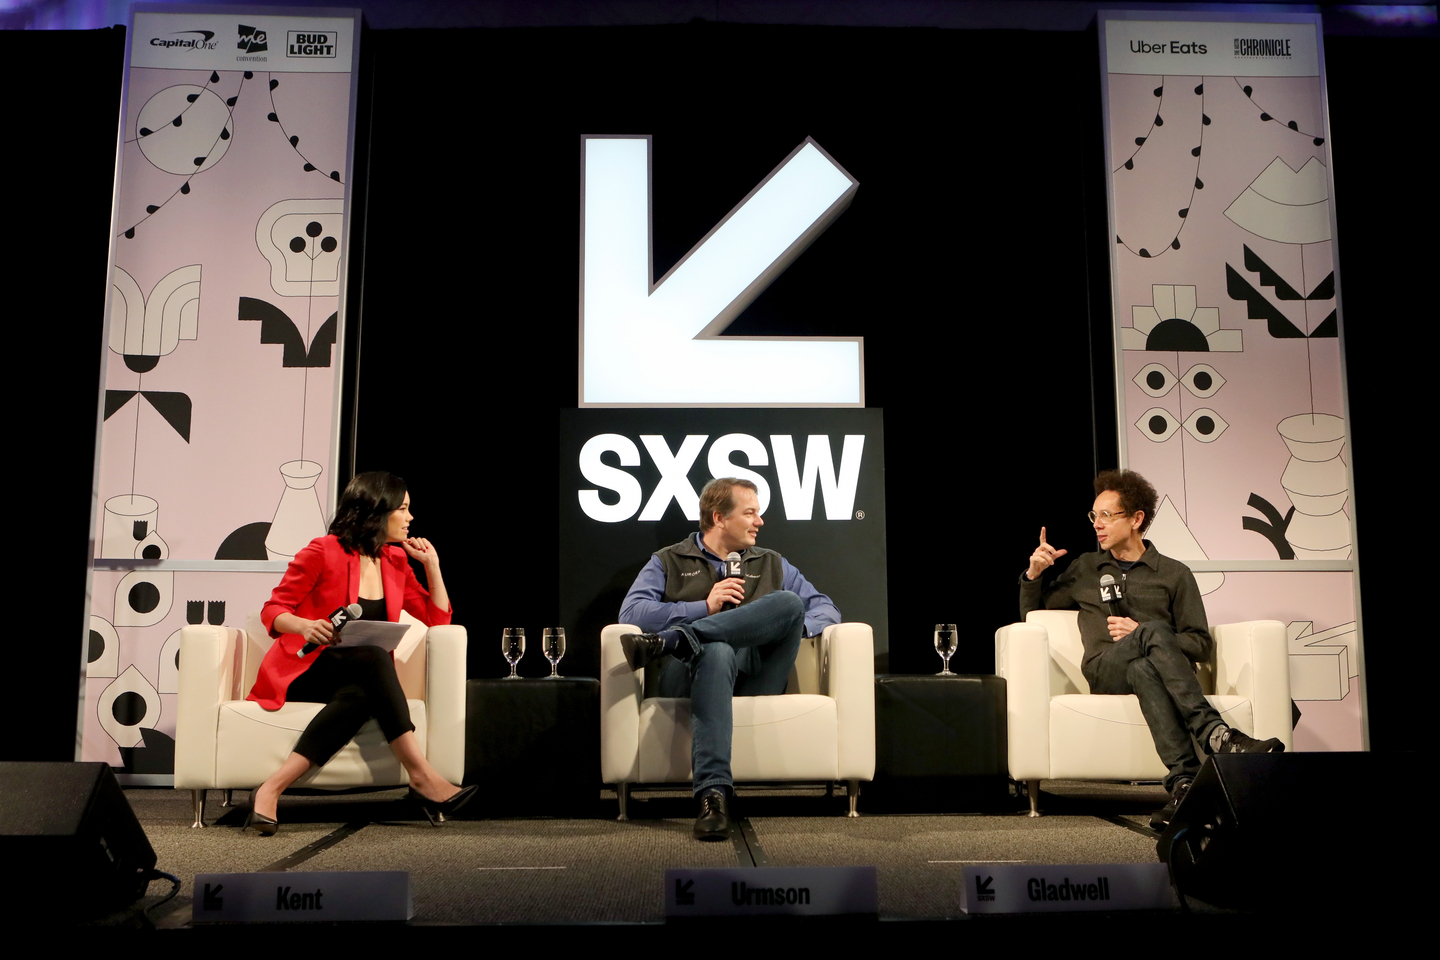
(802, 464)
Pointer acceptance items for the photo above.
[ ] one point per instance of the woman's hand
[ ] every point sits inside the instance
(423, 550)
(318, 631)
(312, 631)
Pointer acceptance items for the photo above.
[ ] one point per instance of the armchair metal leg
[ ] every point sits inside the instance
(1033, 788)
(197, 799)
(622, 790)
(226, 800)
(853, 787)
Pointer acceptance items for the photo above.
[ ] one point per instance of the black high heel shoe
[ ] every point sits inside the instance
(437, 810)
(261, 824)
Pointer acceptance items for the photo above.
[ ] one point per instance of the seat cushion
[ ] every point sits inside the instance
(791, 737)
(1095, 737)
(252, 742)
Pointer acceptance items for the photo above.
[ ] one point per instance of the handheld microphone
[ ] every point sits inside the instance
(732, 569)
(337, 620)
(1111, 596)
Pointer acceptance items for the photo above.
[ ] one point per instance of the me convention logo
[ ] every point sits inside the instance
(252, 40)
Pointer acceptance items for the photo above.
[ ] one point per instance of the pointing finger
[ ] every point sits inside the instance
(1042, 534)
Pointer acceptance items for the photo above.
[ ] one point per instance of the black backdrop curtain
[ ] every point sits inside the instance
(972, 261)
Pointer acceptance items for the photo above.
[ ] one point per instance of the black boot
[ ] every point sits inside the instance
(1161, 818)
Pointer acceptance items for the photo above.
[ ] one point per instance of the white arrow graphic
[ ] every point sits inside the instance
(657, 345)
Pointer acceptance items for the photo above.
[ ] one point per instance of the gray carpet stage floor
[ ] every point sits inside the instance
(597, 870)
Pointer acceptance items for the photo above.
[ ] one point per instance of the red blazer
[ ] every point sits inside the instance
(322, 578)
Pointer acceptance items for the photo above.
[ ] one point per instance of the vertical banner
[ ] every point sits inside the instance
(1230, 379)
(215, 460)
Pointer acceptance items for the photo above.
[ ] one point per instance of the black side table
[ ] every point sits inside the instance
(533, 745)
(940, 743)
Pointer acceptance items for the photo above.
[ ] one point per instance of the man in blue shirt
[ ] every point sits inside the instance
(727, 617)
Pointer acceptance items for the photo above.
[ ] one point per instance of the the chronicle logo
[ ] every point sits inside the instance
(309, 44)
(1274, 48)
(252, 40)
(180, 41)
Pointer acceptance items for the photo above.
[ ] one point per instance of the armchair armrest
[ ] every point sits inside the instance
(1252, 659)
(445, 700)
(1022, 657)
(847, 671)
(621, 690)
(207, 676)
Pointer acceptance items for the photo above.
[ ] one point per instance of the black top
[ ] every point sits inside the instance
(372, 609)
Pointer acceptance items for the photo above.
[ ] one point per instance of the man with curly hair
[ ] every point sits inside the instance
(1152, 651)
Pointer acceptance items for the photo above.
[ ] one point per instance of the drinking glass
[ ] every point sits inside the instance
(553, 646)
(945, 639)
(512, 645)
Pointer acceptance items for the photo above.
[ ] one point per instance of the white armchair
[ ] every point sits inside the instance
(223, 741)
(1060, 731)
(822, 729)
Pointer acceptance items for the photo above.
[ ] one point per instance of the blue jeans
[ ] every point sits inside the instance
(1150, 664)
(744, 652)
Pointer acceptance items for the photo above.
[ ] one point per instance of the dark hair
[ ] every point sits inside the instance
(1135, 492)
(364, 511)
(719, 496)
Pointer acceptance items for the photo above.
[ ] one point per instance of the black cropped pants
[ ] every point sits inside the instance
(355, 684)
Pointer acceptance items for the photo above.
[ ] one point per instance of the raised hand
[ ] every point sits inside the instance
(1043, 558)
(421, 549)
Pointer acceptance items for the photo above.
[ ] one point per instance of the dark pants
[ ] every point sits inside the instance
(744, 652)
(355, 684)
(1150, 664)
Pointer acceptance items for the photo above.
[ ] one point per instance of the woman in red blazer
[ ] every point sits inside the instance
(355, 562)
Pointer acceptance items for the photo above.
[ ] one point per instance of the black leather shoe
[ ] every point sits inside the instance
(1233, 741)
(1161, 818)
(261, 824)
(714, 820)
(436, 811)
(641, 648)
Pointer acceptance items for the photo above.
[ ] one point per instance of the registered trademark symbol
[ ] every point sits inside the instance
(859, 514)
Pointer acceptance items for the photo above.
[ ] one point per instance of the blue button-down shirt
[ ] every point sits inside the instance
(646, 608)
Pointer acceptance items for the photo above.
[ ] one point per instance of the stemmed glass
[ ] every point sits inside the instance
(512, 645)
(553, 646)
(946, 638)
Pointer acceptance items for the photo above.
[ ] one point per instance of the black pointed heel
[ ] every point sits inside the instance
(261, 824)
(436, 811)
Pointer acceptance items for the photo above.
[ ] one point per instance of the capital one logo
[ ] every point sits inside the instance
(633, 331)
(797, 475)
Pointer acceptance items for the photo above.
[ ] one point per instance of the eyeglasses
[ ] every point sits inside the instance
(1106, 517)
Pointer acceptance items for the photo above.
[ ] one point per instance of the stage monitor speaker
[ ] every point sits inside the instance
(69, 840)
(1304, 830)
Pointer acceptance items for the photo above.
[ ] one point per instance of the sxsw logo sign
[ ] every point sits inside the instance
(632, 325)
(803, 466)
